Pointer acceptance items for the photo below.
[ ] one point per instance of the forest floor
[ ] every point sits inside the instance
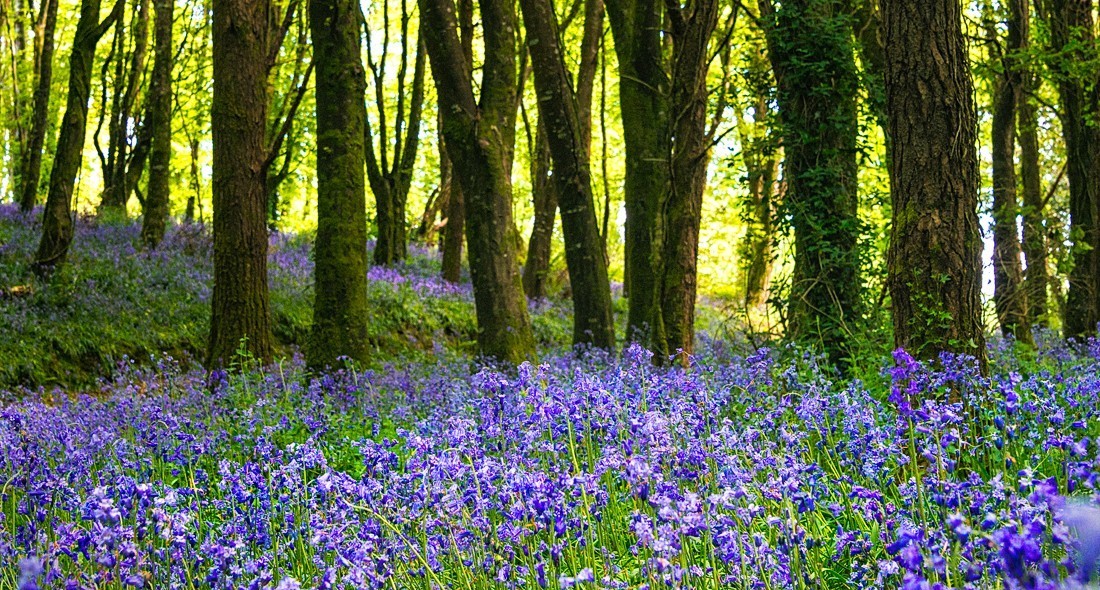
(753, 469)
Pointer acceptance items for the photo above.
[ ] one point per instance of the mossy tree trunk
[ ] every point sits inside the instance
(241, 307)
(480, 137)
(454, 231)
(31, 163)
(159, 118)
(934, 263)
(810, 46)
(584, 254)
(57, 222)
(1010, 297)
(636, 26)
(340, 314)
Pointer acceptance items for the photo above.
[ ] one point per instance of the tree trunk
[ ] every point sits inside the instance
(1037, 275)
(644, 103)
(591, 291)
(479, 145)
(31, 167)
(118, 175)
(159, 119)
(935, 252)
(545, 196)
(692, 28)
(57, 222)
(814, 63)
(760, 154)
(1009, 296)
(1072, 36)
(454, 232)
(238, 121)
(340, 314)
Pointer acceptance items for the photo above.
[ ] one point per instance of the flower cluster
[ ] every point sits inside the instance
(585, 472)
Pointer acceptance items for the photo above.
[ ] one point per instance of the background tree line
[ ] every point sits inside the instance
(812, 164)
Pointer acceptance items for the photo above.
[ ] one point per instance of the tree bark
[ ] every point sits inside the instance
(478, 141)
(340, 313)
(57, 222)
(238, 121)
(31, 166)
(159, 119)
(1073, 38)
(1010, 297)
(591, 291)
(814, 62)
(935, 252)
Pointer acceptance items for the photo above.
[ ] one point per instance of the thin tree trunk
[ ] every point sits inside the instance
(935, 252)
(545, 196)
(57, 222)
(340, 313)
(591, 291)
(454, 232)
(31, 169)
(1009, 296)
(479, 145)
(241, 308)
(127, 81)
(1037, 275)
(159, 119)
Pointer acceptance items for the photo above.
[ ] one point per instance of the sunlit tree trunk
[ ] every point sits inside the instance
(340, 313)
(31, 165)
(159, 118)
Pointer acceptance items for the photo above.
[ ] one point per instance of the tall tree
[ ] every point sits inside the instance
(285, 95)
(1073, 66)
(238, 120)
(692, 25)
(810, 46)
(454, 230)
(591, 291)
(31, 162)
(1009, 295)
(159, 119)
(536, 267)
(121, 169)
(340, 314)
(934, 263)
(390, 174)
(760, 153)
(57, 222)
(479, 138)
(636, 26)
(1037, 275)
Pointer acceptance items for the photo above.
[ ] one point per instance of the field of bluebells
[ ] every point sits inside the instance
(750, 470)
